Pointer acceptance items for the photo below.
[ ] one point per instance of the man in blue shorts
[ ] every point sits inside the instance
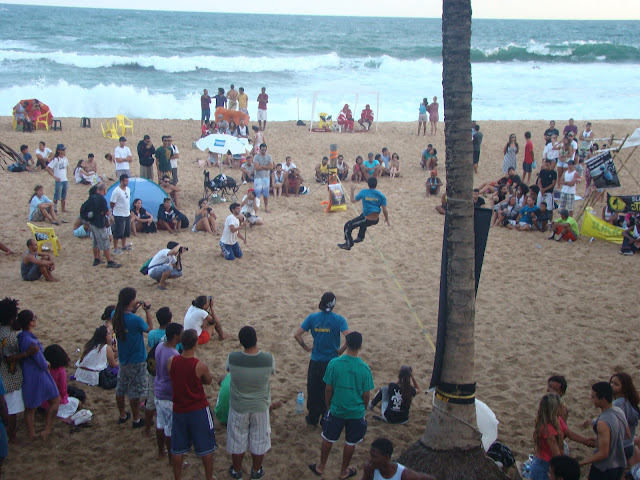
(192, 422)
(263, 166)
(349, 382)
(229, 246)
(372, 202)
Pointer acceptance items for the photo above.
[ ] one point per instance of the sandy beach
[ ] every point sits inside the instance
(542, 308)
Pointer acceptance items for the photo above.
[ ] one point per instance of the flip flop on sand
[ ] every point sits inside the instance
(351, 472)
(312, 467)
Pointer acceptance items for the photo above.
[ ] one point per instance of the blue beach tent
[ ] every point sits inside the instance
(146, 190)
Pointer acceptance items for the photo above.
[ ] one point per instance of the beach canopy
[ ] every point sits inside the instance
(44, 109)
(222, 143)
(151, 194)
(229, 115)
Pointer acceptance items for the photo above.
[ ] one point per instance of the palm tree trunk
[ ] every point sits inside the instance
(450, 447)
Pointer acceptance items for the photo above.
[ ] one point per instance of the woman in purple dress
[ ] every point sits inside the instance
(37, 384)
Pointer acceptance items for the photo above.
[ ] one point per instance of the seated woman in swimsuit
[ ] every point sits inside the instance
(205, 220)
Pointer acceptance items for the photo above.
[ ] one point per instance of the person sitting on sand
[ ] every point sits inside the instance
(394, 165)
(322, 171)
(631, 237)
(292, 182)
(566, 228)
(379, 466)
(249, 208)
(500, 195)
(222, 125)
(478, 201)
(543, 217)
(35, 265)
(396, 397)
(248, 170)
(342, 169)
(170, 189)
(433, 183)
(202, 318)
(370, 167)
(277, 180)
(488, 188)
(43, 155)
(170, 218)
(429, 158)
(442, 208)
(91, 165)
(141, 220)
(98, 355)
(526, 218)
(85, 176)
(25, 162)
(242, 131)
(205, 220)
(366, 118)
(357, 175)
(505, 211)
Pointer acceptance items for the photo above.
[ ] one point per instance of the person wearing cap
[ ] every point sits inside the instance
(57, 168)
(372, 202)
(120, 204)
(566, 228)
(122, 156)
(229, 247)
(348, 382)
(433, 183)
(146, 151)
(249, 208)
(396, 397)
(568, 190)
(325, 327)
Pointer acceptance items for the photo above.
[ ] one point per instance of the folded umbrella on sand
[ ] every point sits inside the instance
(221, 143)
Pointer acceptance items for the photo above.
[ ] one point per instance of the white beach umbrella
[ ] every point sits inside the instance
(221, 143)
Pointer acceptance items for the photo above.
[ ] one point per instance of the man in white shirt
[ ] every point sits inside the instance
(249, 208)
(175, 154)
(122, 156)
(230, 249)
(288, 165)
(43, 155)
(121, 207)
(568, 191)
(551, 152)
(57, 168)
(166, 264)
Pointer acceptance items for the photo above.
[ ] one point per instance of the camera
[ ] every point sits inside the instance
(209, 209)
(183, 249)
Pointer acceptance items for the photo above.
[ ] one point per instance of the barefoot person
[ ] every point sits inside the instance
(41, 207)
(372, 202)
(202, 318)
(35, 265)
(205, 220)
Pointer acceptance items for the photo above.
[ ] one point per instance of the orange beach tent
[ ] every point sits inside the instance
(229, 115)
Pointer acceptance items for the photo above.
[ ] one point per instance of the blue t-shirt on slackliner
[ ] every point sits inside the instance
(372, 200)
(132, 349)
(325, 329)
(526, 212)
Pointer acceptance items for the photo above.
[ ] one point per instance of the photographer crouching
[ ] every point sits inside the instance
(166, 264)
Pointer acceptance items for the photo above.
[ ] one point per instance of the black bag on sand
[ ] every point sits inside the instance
(107, 379)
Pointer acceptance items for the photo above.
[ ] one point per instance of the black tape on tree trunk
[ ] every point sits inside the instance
(481, 224)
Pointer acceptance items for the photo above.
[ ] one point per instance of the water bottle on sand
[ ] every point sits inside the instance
(300, 402)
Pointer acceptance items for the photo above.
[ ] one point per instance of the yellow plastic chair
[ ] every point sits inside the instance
(325, 122)
(122, 125)
(105, 131)
(43, 235)
(15, 122)
(43, 120)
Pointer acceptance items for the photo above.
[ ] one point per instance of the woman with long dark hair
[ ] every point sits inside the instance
(627, 399)
(396, 397)
(97, 355)
(132, 354)
(37, 386)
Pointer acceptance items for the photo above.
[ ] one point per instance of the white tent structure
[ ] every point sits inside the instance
(356, 97)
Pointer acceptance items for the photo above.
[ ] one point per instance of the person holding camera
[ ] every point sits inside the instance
(132, 354)
(201, 318)
(166, 264)
(205, 220)
(249, 208)
(230, 249)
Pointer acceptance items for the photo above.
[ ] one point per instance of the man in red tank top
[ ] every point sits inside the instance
(192, 420)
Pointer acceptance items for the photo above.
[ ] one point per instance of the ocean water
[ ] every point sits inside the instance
(98, 63)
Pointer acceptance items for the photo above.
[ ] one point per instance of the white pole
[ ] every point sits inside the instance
(313, 108)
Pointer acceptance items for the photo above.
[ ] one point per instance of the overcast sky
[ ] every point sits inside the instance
(538, 9)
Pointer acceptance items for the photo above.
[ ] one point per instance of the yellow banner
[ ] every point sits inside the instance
(593, 226)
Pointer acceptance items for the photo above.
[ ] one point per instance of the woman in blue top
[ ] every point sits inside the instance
(132, 354)
(423, 117)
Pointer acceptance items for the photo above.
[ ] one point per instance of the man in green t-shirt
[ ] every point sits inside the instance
(566, 228)
(163, 158)
(349, 381)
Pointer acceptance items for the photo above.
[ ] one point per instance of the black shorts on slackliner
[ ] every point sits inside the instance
(476, 157)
